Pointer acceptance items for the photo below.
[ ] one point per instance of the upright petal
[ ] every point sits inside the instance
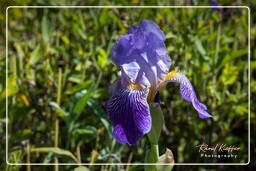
(188, 93)
(141, 54)
(151, 27)
(148, 27)
(122, 49)
(129, 112)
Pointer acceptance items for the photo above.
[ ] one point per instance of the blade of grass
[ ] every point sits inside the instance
(54, 150)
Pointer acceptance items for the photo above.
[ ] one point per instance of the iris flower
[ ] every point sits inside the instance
(214, 3)
(142, 57)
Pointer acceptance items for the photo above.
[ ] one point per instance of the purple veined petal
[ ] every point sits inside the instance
(119, 134)
(121, 83)
(146, 69)
(201, 108)
(129, 112)
(142, 79)
(188, 93)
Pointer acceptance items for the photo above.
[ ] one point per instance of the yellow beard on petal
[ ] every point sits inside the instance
(154, 90)
(135, 87)
(170, 75)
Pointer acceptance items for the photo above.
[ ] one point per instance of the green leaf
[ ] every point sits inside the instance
(104, 17)
(81, 168)
(235, 54)
(36, 54)
(102, 58)
(82, 34)
(79, 87)
(65, 39)
(229, 74)
(23, 133)
(16, 156)
(82, 102)
(13, 88)
(135, 168)
(151, 157)
(201, 49)
(101, 114)
(242, 109)
(157, 123)
(54, 150)
(46, 32)
(253, 65)
(86, 130)
(62, 113)
(48, 158)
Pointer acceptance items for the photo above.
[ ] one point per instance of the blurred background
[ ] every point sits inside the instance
(44, 45)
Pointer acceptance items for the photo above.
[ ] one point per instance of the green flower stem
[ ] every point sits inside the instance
(152, 154)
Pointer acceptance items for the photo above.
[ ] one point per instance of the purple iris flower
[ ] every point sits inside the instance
(142, 57)
(214, 3)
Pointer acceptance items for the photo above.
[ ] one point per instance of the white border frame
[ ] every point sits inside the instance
(119, 164)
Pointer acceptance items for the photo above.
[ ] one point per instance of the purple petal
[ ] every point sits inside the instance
(141, 54)
(151, 27)
(214, 3)
(119, 134)
(118, 84)
(188, 93)
(121, 50)
(129, 112)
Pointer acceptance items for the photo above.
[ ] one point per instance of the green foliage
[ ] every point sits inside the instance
(210, 46)
(54, 150)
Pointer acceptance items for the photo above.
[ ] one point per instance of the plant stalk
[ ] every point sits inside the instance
(152, 156)
(56, 136)
(154, 152)
(78, 153)
(28, 157)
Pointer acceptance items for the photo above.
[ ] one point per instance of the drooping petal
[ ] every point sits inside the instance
(118, 84)
(129, 112)
(141, 54)
(188, 93)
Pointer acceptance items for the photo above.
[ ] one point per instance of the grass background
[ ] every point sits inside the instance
(211, 46)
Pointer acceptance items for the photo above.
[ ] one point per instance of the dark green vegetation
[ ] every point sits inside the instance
(74, 44)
